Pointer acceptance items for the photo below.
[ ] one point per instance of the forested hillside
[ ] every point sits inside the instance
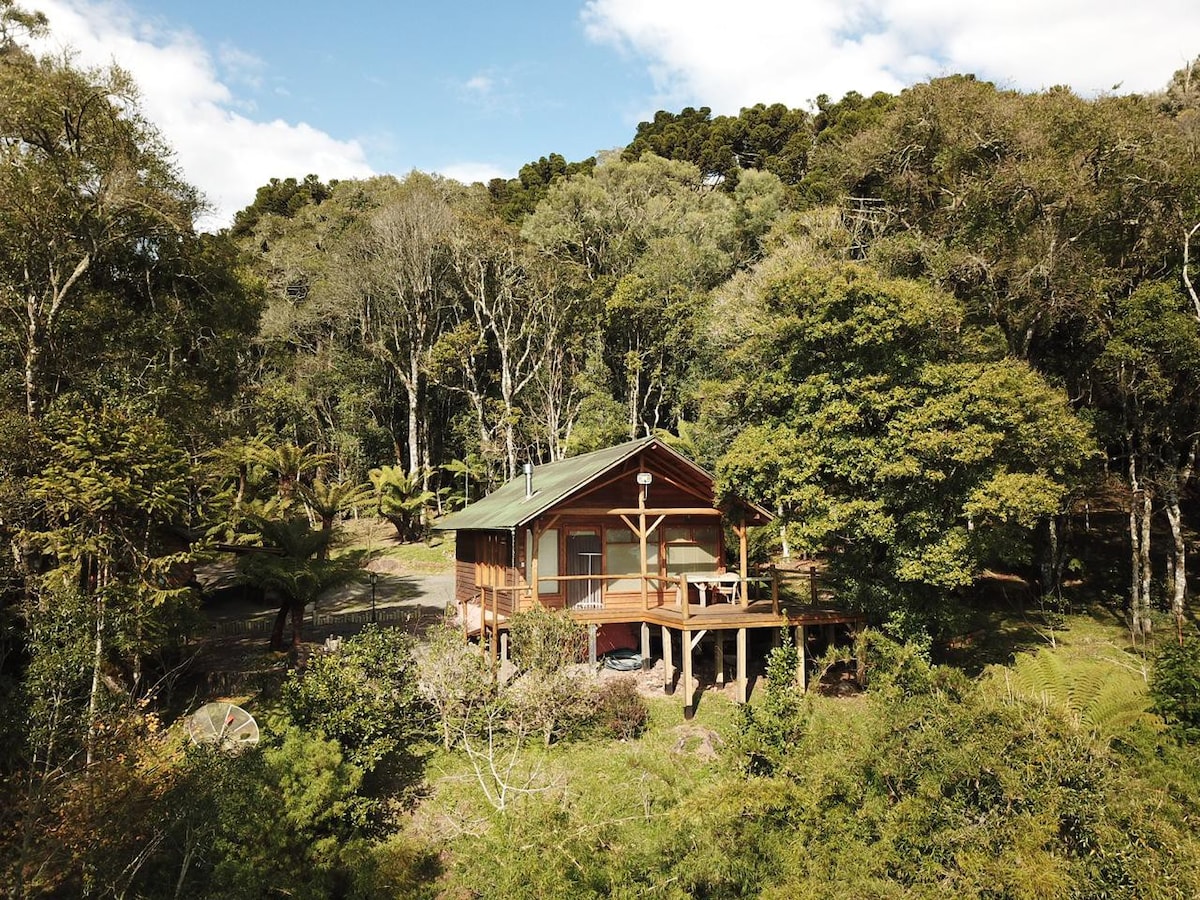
(951, 336)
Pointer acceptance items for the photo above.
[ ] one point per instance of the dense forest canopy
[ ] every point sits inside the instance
(934, 331)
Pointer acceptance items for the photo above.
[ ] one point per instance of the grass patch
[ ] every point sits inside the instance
(433, 557)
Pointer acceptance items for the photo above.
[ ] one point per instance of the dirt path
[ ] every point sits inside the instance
(396, 595)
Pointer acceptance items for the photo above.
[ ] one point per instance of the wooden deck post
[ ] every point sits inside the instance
(495, 623)
(642, 545)
(668, 664)
(592, 644)
(504, 646)
(645, 646)
(742, 686)
(801, 662)
(743, 552)
(684, 608)
(689, 708)
(535, 595)
(719, 655)
(774, 589)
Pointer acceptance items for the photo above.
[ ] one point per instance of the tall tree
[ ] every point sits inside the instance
(83, 175)
(404, 247)
(650, 237)
(114, 487)
(1149, 373)
(514, 300)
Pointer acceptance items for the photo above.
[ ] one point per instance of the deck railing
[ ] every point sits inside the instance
(779, 585)
(782, 586)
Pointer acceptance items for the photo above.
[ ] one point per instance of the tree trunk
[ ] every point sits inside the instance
(1178, 563)
(297, 624)
(277, 629)
(33, 353)
(1139, 547)
(414, 448)
(1144, 549)
(94, 693)
(1177, 480)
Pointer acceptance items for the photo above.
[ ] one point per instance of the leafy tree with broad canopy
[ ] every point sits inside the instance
(876, 421)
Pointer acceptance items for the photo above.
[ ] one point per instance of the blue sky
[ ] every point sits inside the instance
(425, 85)
(257, 89)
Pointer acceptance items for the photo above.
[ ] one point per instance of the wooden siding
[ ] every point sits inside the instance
(482, 559)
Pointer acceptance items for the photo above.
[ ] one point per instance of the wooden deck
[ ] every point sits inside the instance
(757, 614)
(682, 635)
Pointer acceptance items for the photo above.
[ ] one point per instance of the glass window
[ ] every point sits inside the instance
(690, 557)
(692, 548)
(624, 557)
(547, 559)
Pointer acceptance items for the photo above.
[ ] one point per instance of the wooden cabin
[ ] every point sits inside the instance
(631, 534)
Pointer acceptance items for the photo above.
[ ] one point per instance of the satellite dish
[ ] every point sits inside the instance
(224, 725)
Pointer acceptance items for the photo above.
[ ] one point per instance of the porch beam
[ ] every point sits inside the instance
(535, 590)
(645, 646)
(642, 552)
(743, 557)
(650, 511)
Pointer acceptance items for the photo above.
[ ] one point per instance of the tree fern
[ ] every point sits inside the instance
(1096, 696)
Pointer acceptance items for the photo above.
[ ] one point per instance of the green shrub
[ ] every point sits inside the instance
(768, 730)
(1175, 687)
(364, 695)
(620, 710)
(544, 640)
(889, 664)
(555, 704)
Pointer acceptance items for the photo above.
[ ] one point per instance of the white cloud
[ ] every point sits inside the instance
(225, 153)
(479, 84)
(470, 172)
(765, 51)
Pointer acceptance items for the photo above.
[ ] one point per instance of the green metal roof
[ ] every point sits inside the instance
(508, 507)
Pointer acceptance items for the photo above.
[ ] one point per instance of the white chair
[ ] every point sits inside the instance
(729, 584)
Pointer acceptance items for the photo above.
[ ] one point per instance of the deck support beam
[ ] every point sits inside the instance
(645, 646)
(689, 701)
(668, 664)
(801, 662)
(742, 686)
(495, 623)
(592, 644)
(719, 656)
